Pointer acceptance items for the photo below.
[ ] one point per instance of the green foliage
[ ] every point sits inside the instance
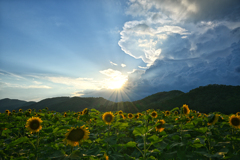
(182, 137)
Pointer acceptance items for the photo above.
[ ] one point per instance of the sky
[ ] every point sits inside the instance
(121, 50)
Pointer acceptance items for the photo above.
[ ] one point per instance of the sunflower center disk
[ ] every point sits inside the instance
(184, 110)
(235, 122)
(34, 125)
(212, 119)
(159, 126)
(76, 135)
(108, 118)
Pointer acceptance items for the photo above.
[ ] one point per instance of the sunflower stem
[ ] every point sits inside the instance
(108, 136)
(144, 139)
(140, 151)
(209, 143)
(232, 140)
(37, 146)
(181, 124)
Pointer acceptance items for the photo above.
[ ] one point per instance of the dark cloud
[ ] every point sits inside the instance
(237, 69)
(185, 44)
(189, 10)
(210, 10)
(166, 75)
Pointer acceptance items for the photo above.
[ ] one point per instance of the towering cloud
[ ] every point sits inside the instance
(184, 43)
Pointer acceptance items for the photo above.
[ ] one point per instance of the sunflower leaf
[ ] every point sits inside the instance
(17, 141)
(175, 109)
(202, 129)
(154, 138)
(131, 144)
(139, 131)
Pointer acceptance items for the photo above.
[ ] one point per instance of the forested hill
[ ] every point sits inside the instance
(12, 104)
(205, 99)
(143, 104)
(221, 98)
(76, 104)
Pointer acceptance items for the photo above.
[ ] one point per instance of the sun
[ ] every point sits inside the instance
(115, 80)
(116, 84)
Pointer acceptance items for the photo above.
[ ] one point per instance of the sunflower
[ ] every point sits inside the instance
(238, 113)
(235, 121)
(154, 114)
(130, 115)
(194, 111)
(76, 135)
(6, 111)
(191, 117)
(106, 156)
(108, 117)
(167, 113)
(120, 112)
(13, 111)
(139, 114)
(39, 110)
(185, 109)
(176, 113)
(85, 111)
(65, 114)
(29, 111)
(136, 116)
(34, 124)
(160, 127)
(9, 113)
(212, 119)
(123, 116)
(46, 108)
(199, 114)
(20, 110)
(188, 119)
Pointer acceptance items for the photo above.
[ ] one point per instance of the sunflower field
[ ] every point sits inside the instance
(179, 134)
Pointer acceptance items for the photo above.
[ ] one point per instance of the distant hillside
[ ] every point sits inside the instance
(205, 99)
(157, 98)
(211, 98)
(128, 107)
(141, 105)
(12, 104)
(76, 104)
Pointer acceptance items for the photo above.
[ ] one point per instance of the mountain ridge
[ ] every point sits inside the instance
(210, 98)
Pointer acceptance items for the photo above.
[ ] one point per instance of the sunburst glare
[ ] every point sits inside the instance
(116, 84)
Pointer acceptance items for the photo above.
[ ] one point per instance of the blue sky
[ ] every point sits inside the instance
(119, 50)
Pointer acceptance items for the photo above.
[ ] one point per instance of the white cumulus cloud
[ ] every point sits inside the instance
(113, 63)
(123, 65)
